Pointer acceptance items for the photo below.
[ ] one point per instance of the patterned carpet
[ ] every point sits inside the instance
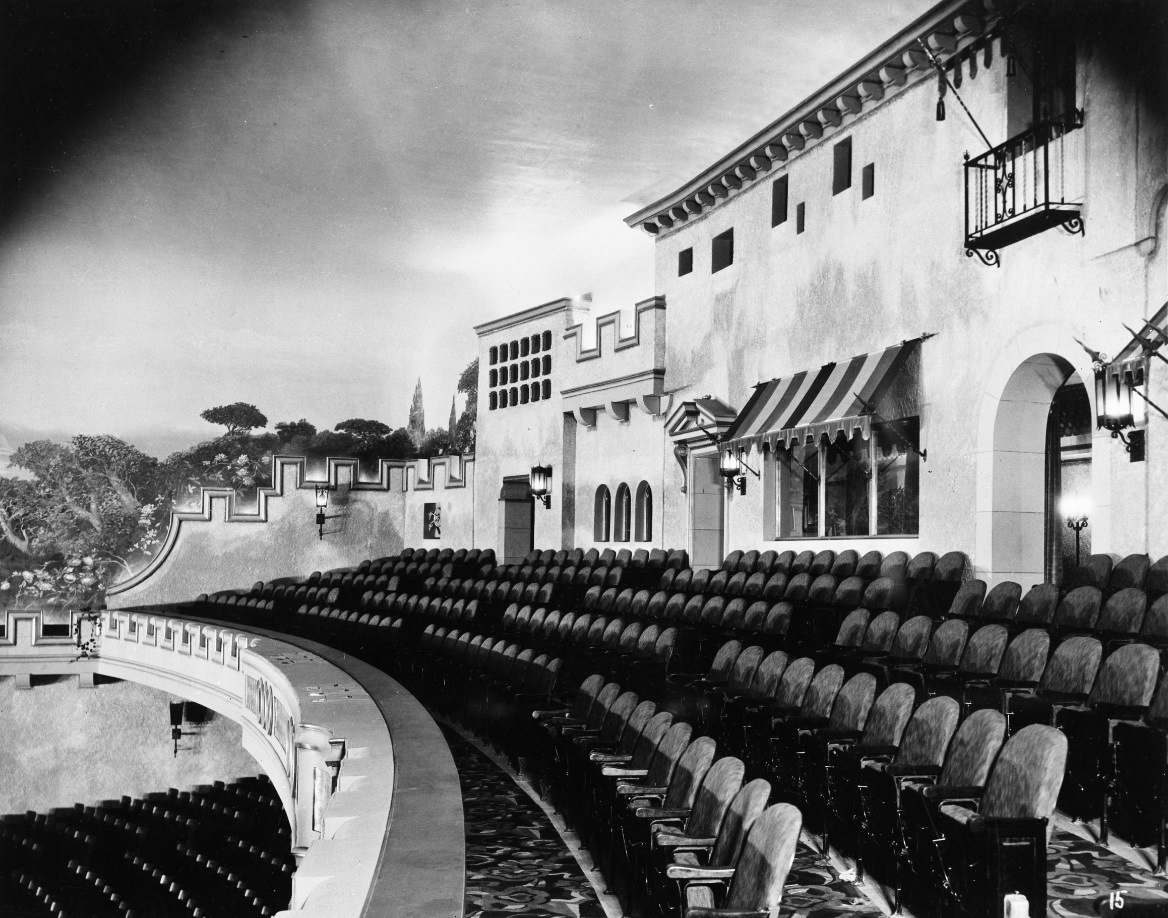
(1081, 872)
(518, 866)
(516, 863)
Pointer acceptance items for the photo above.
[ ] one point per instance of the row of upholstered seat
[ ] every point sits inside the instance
(827, 703)
(230, 845)
(1110, 576)
(1085, 609)
(492, 688)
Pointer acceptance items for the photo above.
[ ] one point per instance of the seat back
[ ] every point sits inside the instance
(849, 710)
(822, 691)
(912, 638)
(1127, 677)
(691, 768)
(767, 676)
(950, 567)
(1155, 626)
(895, 565)
(744, 809)
(742, 673)
(1072, 667)
(724, 661)
(636, 726)
(718, 788)
(652, 736)
(1025, 657)
(983, 653)
(1123, 613)
(888, 715)
(974, 747)
(765, 860)
(968, 601)
(845, 563)
(851, 630)
(1130, 573)
(796, 680)
(946, 644)
(920, 568)
(1079, 609)
(1027, 776)
(604, 701)
(1001, 603)
(881, 633)
(617, 718)
(668, 754)
(868, 566)
(1038, 606)
(585, 696)
(929, 732)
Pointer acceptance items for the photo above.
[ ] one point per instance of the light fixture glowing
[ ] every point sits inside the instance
(541, 484)
(322, 499)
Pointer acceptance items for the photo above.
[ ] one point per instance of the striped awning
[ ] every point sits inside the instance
(836, 397)
(1152, 335)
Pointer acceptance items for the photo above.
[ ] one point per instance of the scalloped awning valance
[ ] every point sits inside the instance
(838, 397)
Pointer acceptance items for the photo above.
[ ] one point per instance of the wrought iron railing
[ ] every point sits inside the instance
(1030, 183)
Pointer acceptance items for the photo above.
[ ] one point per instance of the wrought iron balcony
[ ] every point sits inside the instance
(1028, 184)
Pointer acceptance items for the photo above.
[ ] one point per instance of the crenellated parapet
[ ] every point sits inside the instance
(617, 369)
(207, 548)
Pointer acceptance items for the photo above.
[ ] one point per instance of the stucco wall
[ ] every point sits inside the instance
(869, 273)
(613, 452)
(220, 547)
(64, 745)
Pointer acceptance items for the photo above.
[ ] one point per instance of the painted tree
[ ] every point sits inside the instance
(468, 383)
(417, 422)
(238, 417)
(365, 430)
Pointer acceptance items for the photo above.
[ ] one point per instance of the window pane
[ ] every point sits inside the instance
(798, 491)
(897, 476)
(846, 487)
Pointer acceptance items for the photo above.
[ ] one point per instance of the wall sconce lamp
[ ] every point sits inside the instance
(176, 719)
(734, 470)
(1116, 409)
(322, 498)
(541, 484)
(1075, 508)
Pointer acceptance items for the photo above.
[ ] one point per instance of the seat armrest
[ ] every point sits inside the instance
(609, 758)
(544, 715)
(725, 913)
(935, 792)
(913, 771)
(872, 752)
(660, 813)
(1019, 824)
(802, 723)
(611, 771)
(1120, 711)
(1016, 684)
(683, 841)
(637, 790)
(683, 872)
(836, 736)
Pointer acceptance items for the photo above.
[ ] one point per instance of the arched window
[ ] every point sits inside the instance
(494, 377)
(644, 527)
(494, 401)
(535, 392)
(603, 515)
(624, 512)
(547, 388)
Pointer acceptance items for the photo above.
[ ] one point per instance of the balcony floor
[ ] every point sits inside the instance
(1023, 226)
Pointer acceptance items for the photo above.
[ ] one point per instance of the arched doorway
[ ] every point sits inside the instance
(1041, 450)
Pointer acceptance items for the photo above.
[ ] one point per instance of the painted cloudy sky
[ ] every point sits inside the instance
(307, 204)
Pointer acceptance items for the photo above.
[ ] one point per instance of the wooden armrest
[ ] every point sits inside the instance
(611, 771)
(683, 841)
(682, 872)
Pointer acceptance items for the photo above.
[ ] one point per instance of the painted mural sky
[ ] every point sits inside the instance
(307, 204)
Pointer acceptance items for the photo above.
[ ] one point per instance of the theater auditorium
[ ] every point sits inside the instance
(825, 580)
